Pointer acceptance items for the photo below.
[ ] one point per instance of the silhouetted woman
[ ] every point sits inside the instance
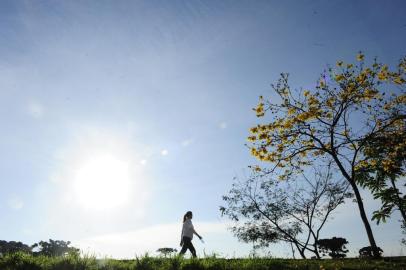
(187, 234)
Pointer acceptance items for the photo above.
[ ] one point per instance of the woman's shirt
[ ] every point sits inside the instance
(188, 229)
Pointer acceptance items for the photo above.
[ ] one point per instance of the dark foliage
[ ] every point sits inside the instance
(166, 251)
(334, 247)
(54, 248)
(13, 246)
(368, 252)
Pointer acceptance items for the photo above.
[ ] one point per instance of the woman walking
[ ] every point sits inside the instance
(187, 234)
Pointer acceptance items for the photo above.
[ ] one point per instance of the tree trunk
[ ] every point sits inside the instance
(361, 208)
(316, 251)
(399, 200)
(365, 220)
(293, 250)
(301, 252)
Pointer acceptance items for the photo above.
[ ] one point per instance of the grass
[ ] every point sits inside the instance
(21, 261)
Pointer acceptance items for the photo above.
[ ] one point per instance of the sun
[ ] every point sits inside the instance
(102, 182)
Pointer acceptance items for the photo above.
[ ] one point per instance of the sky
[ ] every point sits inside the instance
(159, 94)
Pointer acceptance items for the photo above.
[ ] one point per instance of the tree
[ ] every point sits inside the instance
(267, 210)
(55, 248)
(166, 251)
(385, 171)
(348, 108)
(334, 247)
(13, 246)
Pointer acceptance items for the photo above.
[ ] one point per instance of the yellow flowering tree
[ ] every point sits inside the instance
(350, 105)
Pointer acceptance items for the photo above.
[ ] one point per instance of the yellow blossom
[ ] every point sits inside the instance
(260, 110)
(401, 99)
(383, 76)
(330, 102)
(387, 106)
(254, 130)
(322, 84)
(302, 116)
(361, 78)
(313, 101)
(399, 80)
(306, 93)
(339, 77)
(262, 136)
(387, 165)
(367, 71)
(370, 93)
(282, 177)
(288, 124)
(291, 110)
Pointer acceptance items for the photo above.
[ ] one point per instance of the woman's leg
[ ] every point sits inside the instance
(183, 250)
(192, 249)
(185, 245)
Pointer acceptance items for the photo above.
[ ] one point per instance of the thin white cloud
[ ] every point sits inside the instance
(164, 152)
(143, 162)
(138, 242)
(187, 142)
(27, 231)
(35, 109)
(15, 202)
(223, 125)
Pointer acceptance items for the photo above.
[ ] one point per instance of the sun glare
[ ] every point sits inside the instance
(102, 182)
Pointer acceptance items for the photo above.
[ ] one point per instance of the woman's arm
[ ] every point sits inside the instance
(196, 233)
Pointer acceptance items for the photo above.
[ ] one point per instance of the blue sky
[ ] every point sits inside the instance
(165, 90)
